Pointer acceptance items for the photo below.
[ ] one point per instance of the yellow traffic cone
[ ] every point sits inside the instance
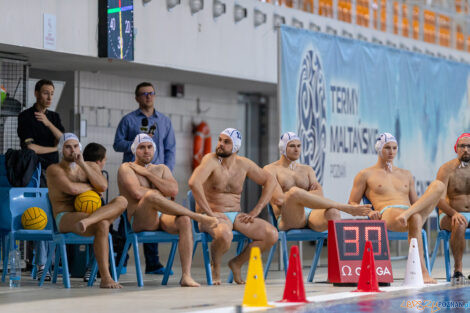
(255, 290)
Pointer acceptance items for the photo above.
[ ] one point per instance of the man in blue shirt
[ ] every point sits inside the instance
(147, 120)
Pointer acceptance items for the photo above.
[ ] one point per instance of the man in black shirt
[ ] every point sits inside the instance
(39, 130)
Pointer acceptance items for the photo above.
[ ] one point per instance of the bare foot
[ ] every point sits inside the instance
(358, 209)
(402, 219)
(216, 275)
(109, 283)
(237, 272)
(428, 279)
(82, 226)
(209, 221)
(188, 281)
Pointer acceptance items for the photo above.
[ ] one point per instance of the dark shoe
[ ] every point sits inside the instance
(40, 272)
(157, 271)
(458, 279)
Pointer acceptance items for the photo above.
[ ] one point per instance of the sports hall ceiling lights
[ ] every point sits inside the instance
(170, 4)
(278, 20)
(260, 18)
(239, 13)
(196, 5)
(218, 8)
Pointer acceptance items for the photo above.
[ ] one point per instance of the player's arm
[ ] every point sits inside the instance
(128, 180)
(262, 178)
(412, 194)
(166, 183)
(198, 178)
(314, 186)
(93, 173)
(39, 149)
(57, 179)
(278, 196)
(443, 205)
(358, 191)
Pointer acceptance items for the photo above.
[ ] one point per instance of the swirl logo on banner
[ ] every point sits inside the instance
(312, 113)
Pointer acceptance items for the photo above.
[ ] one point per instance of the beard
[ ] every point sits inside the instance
(222, 154)
(69, 159)
(465, 158)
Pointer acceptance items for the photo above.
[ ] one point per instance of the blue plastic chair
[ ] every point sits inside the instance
(444, 235)
(304, 234)
(393, 235)
(15, 202)
(5, 184)
(60, 240)
(134, 238)
(204, 238)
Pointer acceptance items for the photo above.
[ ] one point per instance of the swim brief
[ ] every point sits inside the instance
(465, 214)
(307, 212)
(399, 206)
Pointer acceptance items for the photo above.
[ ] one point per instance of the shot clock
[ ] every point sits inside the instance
(116, 29)
(346, 242)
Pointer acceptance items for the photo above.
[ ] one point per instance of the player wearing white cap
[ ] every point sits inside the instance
(71, 177)
(146, 187)
(391, 190)
(217, 185)
(298, 199)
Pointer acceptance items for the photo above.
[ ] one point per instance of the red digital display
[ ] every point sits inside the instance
(346, 242)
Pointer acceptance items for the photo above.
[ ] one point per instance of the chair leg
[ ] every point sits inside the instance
(425, 250)
(47, 267)
(270, 258)
(93, 273)
(207, 262)
(194, 248)
(169, 264)
(434, 253)
(123, 257)
(34, 270)
(56, 265)
(313, 267)
(112, 262)
(284, 252)
(138, 269)
(65, 265)
(5, 257)
(447, 257)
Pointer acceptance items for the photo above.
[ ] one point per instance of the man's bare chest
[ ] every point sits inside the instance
(386, 183)
(459, 182)
(288, 178)
(227, 180)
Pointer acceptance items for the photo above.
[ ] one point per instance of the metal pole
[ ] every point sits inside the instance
(353, 13)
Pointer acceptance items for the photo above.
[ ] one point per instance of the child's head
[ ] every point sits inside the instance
(94, 152)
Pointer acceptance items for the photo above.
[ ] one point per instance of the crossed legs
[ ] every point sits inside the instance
(97, 224)
(175, 220)
(293, 215)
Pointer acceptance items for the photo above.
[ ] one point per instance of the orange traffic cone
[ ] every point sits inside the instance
(368, 278)
(294, 290)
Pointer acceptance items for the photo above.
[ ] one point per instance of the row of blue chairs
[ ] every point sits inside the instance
(19, 199)
(14, 202)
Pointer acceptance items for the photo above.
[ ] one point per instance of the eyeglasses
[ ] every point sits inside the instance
(463, 146)
(145, 94)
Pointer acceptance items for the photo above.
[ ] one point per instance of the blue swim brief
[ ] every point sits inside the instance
(399, 206)
(465, 214)
(232, 216)
(307, 212)
(132, 218)
(58, 218)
